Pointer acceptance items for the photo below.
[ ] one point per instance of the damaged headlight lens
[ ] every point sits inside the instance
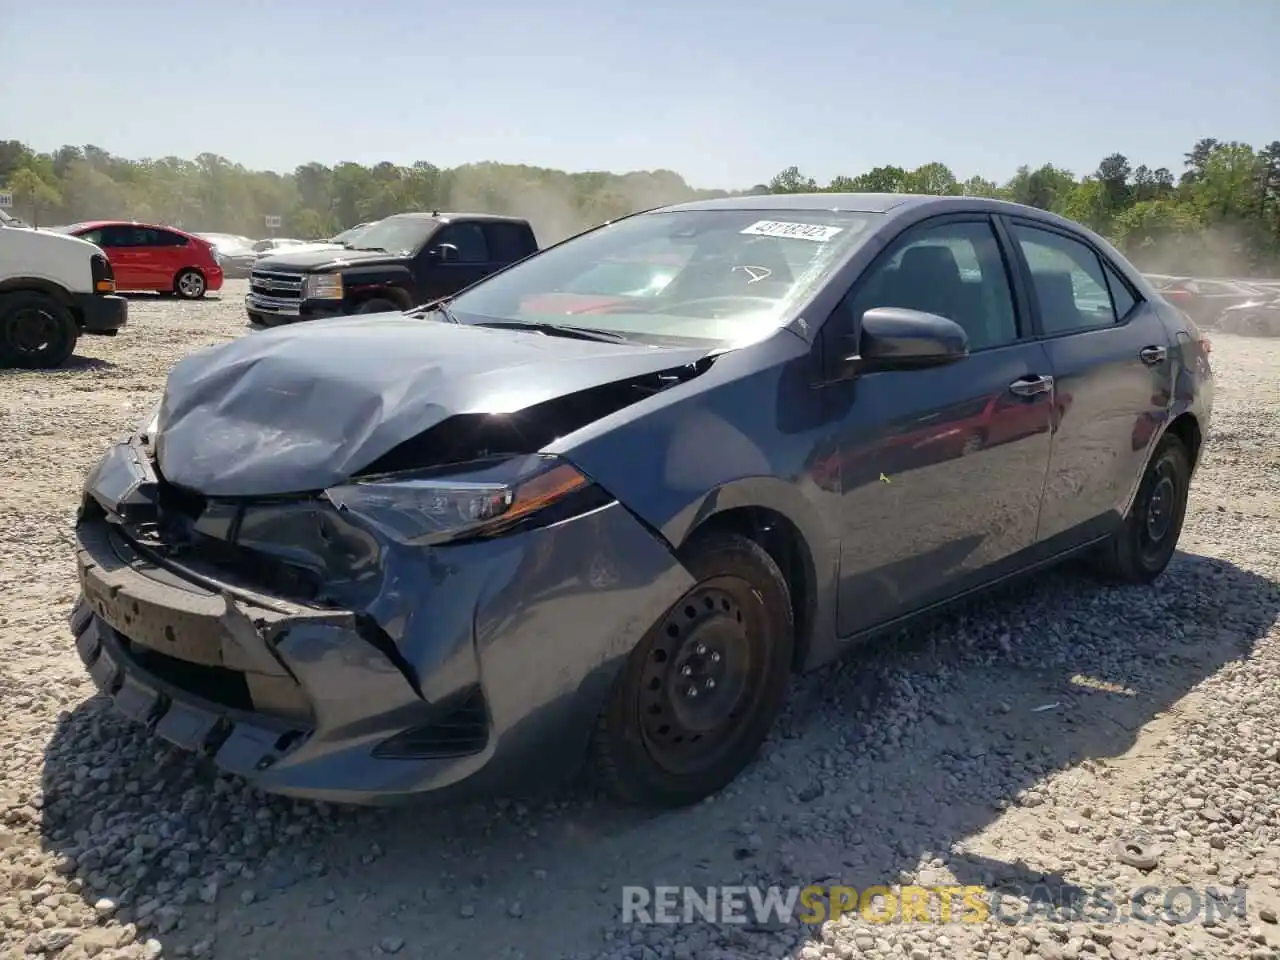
(480, 499)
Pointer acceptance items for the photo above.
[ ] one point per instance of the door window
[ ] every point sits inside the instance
(167, 238)
(119, 236)
(1122, 296)
(953, 269)
(1067, 281)
(468, 238)
(507, 242)
(146, 237)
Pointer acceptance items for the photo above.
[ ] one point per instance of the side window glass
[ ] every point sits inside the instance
(954, 270)
(117, 237)
(468, 238)
(93, 236)
(506, 242)
(1121, 296)
(166, 239)
(1067, 281)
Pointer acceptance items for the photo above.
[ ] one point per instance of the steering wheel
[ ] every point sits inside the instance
(681, 306)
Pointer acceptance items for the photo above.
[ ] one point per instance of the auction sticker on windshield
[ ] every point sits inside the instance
(796, 231)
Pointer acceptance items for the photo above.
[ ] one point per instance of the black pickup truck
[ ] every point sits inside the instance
(396, 264)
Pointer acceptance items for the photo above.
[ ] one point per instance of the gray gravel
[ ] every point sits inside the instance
(924, 761)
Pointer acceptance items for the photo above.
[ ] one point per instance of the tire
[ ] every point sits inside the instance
(1140, 550)
(189, 284)
(729, 639)
(36, 331)
(378, 305)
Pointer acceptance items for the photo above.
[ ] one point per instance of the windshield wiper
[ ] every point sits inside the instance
(436, 306)
(557, 330)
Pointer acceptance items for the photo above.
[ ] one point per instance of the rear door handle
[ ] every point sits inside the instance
(1031, 386)
(1153, 355)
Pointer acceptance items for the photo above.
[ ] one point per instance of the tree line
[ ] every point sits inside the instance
(1219, 215)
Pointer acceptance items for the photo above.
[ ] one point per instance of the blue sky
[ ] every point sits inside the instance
(725, 94)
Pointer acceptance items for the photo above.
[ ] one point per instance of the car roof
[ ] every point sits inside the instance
(95, 224)
(444, 217)
(882, 203)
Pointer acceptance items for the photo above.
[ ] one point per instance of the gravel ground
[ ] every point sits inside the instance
(1016, 741)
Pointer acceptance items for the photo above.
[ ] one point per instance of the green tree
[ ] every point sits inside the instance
(1222, 215)
(31, 193)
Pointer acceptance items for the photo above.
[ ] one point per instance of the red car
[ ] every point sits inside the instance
(148, 257)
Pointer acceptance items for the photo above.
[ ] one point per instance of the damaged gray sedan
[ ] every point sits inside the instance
(604, 503)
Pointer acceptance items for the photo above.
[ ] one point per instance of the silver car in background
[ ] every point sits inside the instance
(235, 253)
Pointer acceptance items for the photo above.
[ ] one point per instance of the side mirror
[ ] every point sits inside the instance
(894, 338)
(445, 253)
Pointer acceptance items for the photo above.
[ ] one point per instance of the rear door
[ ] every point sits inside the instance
(1109, 354)
(445, 277)
(941, 470)
(151, 258)
(172, 253)
(119, 243)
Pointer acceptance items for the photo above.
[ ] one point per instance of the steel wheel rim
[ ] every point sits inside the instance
(32, 330)
(1159, 509)
(191, 284)
(702, 678)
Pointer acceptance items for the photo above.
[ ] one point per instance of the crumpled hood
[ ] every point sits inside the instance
(303, 408)
(320, 258)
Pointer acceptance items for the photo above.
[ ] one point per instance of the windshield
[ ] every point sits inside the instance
(351, 234)
(399, 235)
(725, 276)
(225, 242)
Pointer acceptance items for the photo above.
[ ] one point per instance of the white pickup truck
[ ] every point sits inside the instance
(53, 287)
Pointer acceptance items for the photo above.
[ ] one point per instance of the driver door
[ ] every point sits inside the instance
(935, 496)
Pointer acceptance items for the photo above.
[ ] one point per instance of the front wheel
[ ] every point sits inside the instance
(36, 331)
(189, 285)
(1143, 546)
(699, 693)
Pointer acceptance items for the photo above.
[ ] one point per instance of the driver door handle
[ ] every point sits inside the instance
(1153, 355)
(1031, 386)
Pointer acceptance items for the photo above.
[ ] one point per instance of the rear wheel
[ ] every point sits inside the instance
(1143, 546)
(36, 331)
(189, 285)
(699, 693)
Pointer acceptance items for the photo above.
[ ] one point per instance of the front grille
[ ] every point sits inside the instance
(277, 286)
(191, 524)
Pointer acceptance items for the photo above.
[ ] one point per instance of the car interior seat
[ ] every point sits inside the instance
(1057, 296)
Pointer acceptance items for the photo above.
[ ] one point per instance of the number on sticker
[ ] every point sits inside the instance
(817, 232)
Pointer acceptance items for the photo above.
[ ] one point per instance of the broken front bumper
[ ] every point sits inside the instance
(477, 665)
(294, 697)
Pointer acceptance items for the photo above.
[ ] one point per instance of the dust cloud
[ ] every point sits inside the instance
(560, 205)
(1217, 252)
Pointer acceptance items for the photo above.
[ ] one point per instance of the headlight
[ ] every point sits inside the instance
(480, 499)
(323, 286)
